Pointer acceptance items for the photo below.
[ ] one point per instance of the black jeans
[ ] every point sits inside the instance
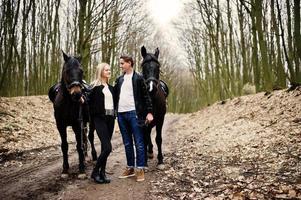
(104, 127)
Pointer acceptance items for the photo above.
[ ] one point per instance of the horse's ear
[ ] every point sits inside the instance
(79, 58)
(157, 52)
(143, 51)
(66, 57)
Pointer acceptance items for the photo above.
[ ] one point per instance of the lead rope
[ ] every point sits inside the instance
(80, 119)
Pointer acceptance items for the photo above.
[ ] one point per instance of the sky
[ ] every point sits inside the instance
(164, 13)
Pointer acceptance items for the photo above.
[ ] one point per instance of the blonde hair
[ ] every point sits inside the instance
(98, 75)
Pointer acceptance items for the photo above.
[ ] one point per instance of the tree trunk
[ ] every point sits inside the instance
(245, 70)
(81, 47)
(289, 37)
(279, 66)
(289, 65)
(23, 66)
(255, 61)
(297, 39)
(12, 20)
(267, 73)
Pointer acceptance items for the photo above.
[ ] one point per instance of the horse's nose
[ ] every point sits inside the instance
(76, 96)
(76, 92)
(75, 89)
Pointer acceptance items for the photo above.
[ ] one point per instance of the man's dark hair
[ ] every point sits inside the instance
(127, 58)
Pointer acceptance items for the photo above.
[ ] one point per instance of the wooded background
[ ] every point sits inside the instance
(233, 45)
(228, 45)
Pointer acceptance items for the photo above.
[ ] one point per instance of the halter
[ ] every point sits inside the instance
(151, 58)
(151, 79)
(74, 83)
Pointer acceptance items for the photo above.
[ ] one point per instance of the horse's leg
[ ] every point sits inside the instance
(85, 140)
(77, 130)
(159, 143)
(147, 140)
(150, 153)
(91, 139)
(64, 146)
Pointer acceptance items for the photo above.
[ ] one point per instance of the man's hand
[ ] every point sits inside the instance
(149, 118)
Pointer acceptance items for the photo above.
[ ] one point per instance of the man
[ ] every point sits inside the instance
(134, 110)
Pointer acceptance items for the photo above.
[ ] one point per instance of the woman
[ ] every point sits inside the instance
(101, 107)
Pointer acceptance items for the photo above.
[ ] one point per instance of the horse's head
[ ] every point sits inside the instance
(72, 76)
(150, 69)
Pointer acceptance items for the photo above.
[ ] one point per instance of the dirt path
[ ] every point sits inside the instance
(120, 188)
(244, 148)
(38, 175)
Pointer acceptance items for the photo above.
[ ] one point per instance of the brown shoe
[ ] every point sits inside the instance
(139, 175)
(128, 172)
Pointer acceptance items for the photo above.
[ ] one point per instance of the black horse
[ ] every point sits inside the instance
(68, 110)
(158, 92)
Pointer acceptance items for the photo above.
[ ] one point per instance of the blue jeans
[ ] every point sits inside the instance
(129, 127)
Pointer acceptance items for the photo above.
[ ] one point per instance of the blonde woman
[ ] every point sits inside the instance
(101, 107)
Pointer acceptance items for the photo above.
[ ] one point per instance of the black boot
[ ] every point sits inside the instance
(103, 176)
(96, 177)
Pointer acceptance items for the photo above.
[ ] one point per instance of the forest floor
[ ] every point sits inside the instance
(244, 148)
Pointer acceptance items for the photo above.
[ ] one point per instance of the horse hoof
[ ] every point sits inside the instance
(150, 155)
(160, 166)
(82, 176)
(64, 176)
